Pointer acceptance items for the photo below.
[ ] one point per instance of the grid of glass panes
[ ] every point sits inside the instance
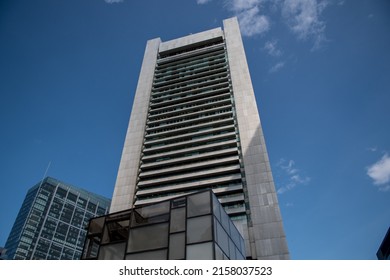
(54, 217)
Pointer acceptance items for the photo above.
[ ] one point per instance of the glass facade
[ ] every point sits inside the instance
(52, 220)
(3, 253)
(190, 227)
(384, 250)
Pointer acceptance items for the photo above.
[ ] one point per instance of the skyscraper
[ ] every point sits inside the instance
(51, 222)
(194, 125)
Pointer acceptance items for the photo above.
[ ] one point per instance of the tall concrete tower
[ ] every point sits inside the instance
(194, 125)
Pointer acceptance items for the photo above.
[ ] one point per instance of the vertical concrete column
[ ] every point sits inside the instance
(127, 174)
(265, 237)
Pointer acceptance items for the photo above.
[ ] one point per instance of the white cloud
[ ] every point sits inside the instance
(379, 172)
(240, 5)
(276, 67)
(294, 176)
(289, 167)
(201, 2)
(303, 19)
(299, 180)
(113, 1)
(286, 188)
(252, 22)
(272, 48)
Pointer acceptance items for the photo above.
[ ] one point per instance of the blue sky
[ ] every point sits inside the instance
(321, 74)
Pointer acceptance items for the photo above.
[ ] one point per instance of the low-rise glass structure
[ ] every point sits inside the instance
(190, 227)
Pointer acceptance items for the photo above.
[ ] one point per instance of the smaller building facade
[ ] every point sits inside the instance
(384, 250)
(51, 224)
(3, 253)
(192, 227)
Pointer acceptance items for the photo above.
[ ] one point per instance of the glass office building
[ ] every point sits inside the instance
(52, 220)
(383, 252)
(191, 227)
(195, 125)
(3, 253)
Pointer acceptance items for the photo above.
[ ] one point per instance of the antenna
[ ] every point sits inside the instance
(47, 169)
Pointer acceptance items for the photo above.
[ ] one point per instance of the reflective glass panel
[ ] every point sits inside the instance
(179, 202)
(239, 256)
(222, 239)
(216, 207)
(100, 211)
(115, 251)
(148, 237)
(225, 220)
(177, 245)
(153, 255)
(72, 197)
(234, 234)
(67, 254)
(218, 253)
(199, 229)
(178, 219)
(61, 193)
(242, 249)
(150, 214)
(198, 204)
(115, 231)
(96, 225)
(203, 251)
(232, 250)
(117, 227)
(91, 207)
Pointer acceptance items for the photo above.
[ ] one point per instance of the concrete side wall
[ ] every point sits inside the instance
(127, 175)
(265, 236)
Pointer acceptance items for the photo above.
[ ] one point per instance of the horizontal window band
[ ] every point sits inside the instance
(209, 91)
(196, 147)
(193, 49)
(193, 64)
(200, 86)
(207, 155)
(186, 57)
(190, 185)
(190, 143)
(192, 122)
(183, 152)
(190, 166)
(211, 75)
(190, 116)
(235, 191)
(189, 176)
(184, 110)
(190, 129)
(165, 62)
(190, 135)
(190, 73)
